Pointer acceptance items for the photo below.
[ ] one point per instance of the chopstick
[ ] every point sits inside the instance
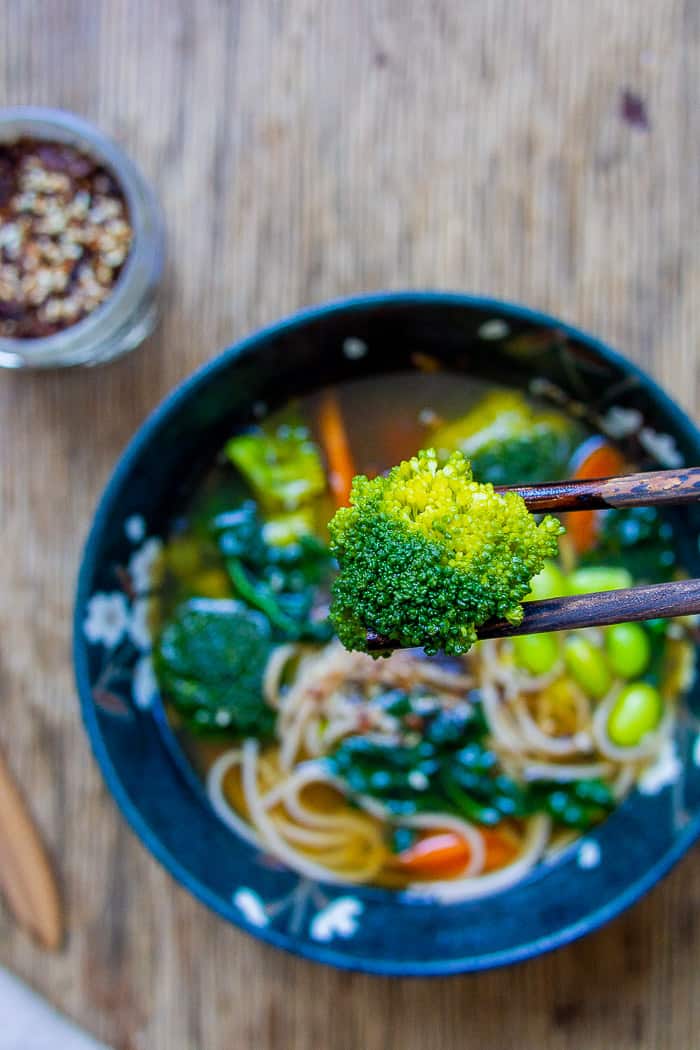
(660, 488)
(597, 609)
(26, 878)
(657, 488)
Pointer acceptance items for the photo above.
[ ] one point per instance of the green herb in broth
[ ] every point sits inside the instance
(445, 766)
(282, 580)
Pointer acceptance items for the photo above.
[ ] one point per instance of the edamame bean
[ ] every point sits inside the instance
(536, 653)
(628, 649)
(549, 583)
(636, 712)
(586, 664)
(599, 578)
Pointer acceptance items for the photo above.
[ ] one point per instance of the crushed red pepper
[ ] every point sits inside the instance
(65, 235)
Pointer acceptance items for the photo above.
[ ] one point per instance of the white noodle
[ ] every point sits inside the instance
(274, 669)
(290, 740)
(551, 745)
(220, 804)
(624, 781)
(499, 723)
(266, 826)
(564, 771)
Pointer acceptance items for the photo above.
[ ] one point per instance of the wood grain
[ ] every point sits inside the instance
(305, 149)
(576, 611)
(656, 488)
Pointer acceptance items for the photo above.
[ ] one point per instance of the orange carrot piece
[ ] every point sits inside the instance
(500, 850)
(440, 854)
(444, 854)
(603, 460)
(341, 468)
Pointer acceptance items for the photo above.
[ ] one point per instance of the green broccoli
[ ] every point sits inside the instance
(210, 660)
(427, 555)
(508, 442)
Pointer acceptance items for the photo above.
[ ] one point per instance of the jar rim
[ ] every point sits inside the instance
(84, 341)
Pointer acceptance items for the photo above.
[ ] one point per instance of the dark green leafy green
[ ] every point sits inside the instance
(575, 804)
(280, 581)
(638, 539)
(441, 763)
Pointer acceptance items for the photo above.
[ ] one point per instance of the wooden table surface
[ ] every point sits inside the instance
(303, 150)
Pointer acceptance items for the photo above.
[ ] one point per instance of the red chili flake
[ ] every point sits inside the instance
(633, 110)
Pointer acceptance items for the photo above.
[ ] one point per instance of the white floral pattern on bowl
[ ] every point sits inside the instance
(305, 905)
(118, 622)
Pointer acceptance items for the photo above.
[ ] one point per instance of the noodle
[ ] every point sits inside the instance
(339, 836)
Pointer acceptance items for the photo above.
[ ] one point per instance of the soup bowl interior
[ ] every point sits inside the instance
(362, 927)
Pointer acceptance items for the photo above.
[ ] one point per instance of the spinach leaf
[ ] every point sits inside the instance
(280, 581)
(441, 763)
(640, 540)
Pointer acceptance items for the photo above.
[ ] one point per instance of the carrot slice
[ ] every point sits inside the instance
(341, 469)
(444, 854)
(440, 854)
(500, 849)
(599, 460)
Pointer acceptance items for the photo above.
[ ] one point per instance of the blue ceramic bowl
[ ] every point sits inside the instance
(365, 929)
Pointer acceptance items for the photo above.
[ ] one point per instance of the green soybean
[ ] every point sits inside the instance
(599, 578)
(628, 649)
(586, 664)
(549, 583)
(636, 712)
(536, 653)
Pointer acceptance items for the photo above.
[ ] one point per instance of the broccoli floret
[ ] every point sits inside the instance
(508, 442)
(427, 554)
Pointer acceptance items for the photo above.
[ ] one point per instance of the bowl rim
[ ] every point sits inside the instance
(105, 508)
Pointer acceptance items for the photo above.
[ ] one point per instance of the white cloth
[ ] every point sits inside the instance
(28, 1022)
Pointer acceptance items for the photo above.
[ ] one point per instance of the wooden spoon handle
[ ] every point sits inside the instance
(26, 877)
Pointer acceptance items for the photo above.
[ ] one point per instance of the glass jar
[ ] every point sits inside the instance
(130, 311)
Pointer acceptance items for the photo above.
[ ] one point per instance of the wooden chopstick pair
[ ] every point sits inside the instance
(661, 488)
